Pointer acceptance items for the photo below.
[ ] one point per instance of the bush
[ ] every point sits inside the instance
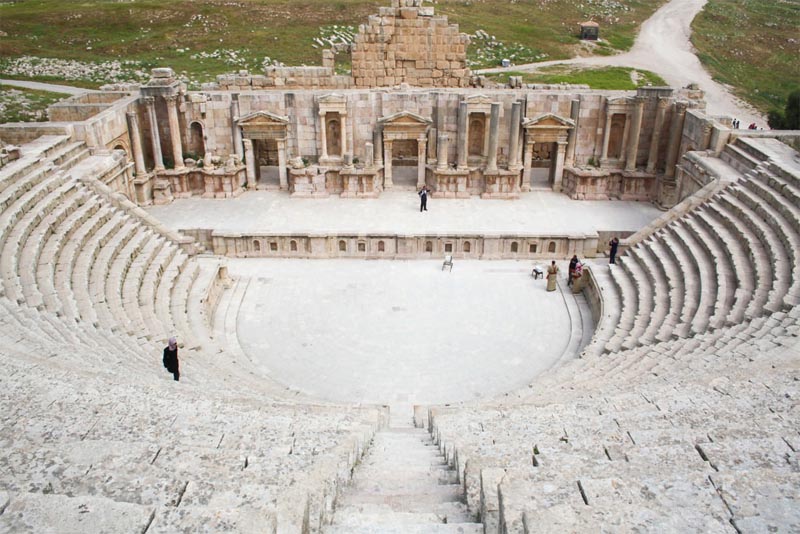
(789, 119)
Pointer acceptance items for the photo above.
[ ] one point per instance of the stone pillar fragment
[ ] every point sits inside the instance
(387, 164)
(494, 131)
(250, 163)
(282, 164)
(158, 159)
(174, 130)
(572, 139)
(636, 132)
(369, 155)
(441, 152)
(422, 150)
(377, 144)
(675, 132)
(606, 137)
(652, 156)
(527, 163)
(463, 147)
(323, 134)
(513, 142)
(237, 130)
(136, 143)
(558, 170)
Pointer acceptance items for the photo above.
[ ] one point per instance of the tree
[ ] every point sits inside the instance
(789, 119)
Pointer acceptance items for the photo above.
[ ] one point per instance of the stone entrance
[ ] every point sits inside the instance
(408, 131)
(264, 139)
(545, 150)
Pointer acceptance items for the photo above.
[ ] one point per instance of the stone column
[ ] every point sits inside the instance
(513, 141)
(174, 130)
(376, 146)
(237, 130)
(422, 151)
(527, 163)
(323, 135)
(282, 164)
(675, 131)
(558, 171)
(636, 132)
(250, 163)
(441, 152)
(494, 130)
(606, 137)
(387, 164)
(158, 159)
(463, 147)
(136, 143)
(343, 121)
(369, 155)
(572, 139)
(625, 132)
(655, 140)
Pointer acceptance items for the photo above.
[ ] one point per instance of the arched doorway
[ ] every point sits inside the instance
(196, 147)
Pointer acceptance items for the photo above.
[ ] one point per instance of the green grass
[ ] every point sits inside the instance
(25, 105)
(170, 32)
(752, 45)
(610, 78)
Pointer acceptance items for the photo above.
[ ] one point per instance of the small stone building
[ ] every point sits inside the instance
(590, 30)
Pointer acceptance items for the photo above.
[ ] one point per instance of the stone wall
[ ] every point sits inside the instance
(387, 246)
(406, 43)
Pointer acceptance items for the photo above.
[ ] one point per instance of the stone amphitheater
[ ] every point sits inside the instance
(670, 404)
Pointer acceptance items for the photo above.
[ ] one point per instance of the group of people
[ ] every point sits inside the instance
(575, 270)
(736, 124)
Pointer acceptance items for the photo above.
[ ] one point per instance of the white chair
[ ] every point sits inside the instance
(448, 262)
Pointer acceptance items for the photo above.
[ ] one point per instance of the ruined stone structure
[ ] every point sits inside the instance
(673, 407)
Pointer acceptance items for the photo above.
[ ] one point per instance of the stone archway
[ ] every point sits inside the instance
(404, 126)
(262, 131)
(546, 135)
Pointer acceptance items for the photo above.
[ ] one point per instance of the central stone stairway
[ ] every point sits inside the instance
(403, 485)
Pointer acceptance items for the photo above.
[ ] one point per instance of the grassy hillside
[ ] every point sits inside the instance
(752, 45)
(25, 105)
(208, 37)
(610, 78)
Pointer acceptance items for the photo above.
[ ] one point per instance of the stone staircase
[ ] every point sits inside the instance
(403, 485)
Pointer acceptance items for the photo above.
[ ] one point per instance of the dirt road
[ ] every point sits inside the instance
(663, 46)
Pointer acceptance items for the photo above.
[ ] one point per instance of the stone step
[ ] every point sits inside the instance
(425, 528)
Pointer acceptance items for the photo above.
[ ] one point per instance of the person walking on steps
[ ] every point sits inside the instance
(614, 244)
(171, 358)
(423, 198)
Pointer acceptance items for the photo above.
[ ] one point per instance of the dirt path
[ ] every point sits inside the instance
(663, 47)
(40, 86)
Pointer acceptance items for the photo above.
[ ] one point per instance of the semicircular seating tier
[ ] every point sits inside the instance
(682, 413)
(94, 438)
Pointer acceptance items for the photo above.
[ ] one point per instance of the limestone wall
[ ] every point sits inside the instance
(387, 246)
(406, 43)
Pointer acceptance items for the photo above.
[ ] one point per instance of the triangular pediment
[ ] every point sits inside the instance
(478, 99)
(263, 118)
(331, 98)
(548, 120)
(405, 118)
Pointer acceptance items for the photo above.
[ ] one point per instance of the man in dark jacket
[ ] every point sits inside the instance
(423, 198)
(613, 244)
(171, 358)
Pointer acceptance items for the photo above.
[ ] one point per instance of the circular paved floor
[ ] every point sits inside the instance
(399, 332)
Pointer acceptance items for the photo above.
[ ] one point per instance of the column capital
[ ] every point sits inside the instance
(171, 98)
(149, 100)
(131, 115)
(663, 102)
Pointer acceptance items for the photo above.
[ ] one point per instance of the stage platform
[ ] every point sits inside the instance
(277, 213)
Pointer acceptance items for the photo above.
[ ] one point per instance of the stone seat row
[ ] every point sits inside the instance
(66, 250)
(100, 452)
(684, 412)
(732, 258)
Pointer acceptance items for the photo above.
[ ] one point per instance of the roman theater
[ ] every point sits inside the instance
(350, 364)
